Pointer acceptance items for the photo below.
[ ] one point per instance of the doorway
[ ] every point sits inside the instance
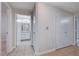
(23, 36)
(23, 30)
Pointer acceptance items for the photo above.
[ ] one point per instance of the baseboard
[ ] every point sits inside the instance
(10, 50)
(73, 44)
(44, 52)
(78, 45)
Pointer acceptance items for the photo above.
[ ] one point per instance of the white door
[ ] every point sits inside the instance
(64, 31)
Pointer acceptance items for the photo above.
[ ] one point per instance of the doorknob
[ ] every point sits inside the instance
(65, 32)
(47, 28)
(6, 32)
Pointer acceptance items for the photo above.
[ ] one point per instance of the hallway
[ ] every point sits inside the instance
(22, 51)
(32, 29)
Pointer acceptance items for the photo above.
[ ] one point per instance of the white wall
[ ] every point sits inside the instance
(7, 28)
(4, 28)
(45, 17)
(10, 32)
(13, 28)
(0, 28)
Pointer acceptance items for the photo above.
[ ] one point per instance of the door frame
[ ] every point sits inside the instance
(75, 30)
(16, 28)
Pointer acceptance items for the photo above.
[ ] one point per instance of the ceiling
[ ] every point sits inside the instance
(29, 6)
(67, 6)
(72, 7)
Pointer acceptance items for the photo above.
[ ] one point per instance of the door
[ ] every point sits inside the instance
(64, 31)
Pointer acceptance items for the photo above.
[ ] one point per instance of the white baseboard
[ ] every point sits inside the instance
(10, 50)
(77, 44)
(44, 52)
(73, 44)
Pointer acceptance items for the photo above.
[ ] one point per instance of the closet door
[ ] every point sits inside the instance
(64, 31)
